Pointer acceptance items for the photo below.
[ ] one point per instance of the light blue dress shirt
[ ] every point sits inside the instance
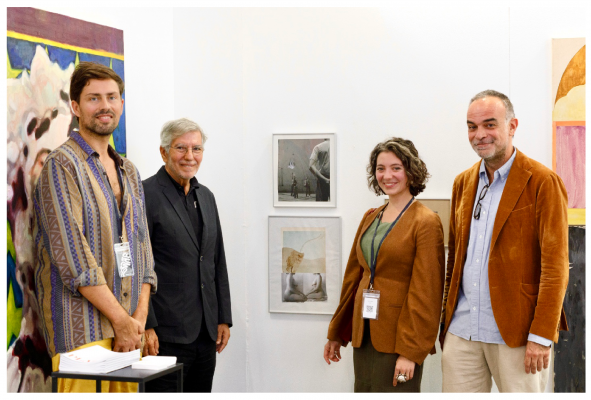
(473, 318)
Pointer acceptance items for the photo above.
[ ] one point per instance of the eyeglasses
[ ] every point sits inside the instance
(483, 193)
(197, 150)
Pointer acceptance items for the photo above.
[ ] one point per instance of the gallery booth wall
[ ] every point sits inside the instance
(364, 74)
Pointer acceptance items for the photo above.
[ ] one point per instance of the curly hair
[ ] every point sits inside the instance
(405, 150)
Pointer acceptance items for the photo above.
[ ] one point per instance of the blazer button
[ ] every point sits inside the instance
(201, 258)
(202, 286)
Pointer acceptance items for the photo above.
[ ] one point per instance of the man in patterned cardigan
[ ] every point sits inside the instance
(89, 204)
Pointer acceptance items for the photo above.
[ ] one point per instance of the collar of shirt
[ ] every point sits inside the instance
(92, 152)
(501, 173)
(194, 184)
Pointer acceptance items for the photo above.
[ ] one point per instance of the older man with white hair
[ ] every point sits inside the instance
(190, 316)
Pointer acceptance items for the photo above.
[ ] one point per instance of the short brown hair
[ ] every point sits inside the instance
(86, 71)
(405, 150)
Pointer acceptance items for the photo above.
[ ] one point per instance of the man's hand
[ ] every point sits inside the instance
(537, 357)
(128, 334)
(152, 345)
(128, 331)
(332, 351)
(223, 337)
(141, 311)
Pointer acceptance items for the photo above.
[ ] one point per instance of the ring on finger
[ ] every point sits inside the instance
(401, 378)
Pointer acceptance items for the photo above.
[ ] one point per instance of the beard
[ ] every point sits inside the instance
(96, 127)
(493, 155)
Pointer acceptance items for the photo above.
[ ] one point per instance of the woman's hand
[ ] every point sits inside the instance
(332, 351)
(403, 366)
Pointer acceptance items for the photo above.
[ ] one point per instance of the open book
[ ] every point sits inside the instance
(96, 359)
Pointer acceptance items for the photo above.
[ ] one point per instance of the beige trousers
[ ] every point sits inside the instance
(468, 367)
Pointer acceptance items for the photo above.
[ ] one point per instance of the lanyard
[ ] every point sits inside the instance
(374, 259)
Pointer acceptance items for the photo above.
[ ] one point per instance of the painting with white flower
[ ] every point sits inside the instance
(43, 49)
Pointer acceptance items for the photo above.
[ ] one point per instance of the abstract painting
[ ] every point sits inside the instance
(568, 122)
(304, 264)
(569, 352)
(304, 170)
(43, 50)
(568, 160)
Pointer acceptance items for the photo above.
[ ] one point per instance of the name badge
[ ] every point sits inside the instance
(371, 303)
(123, 256)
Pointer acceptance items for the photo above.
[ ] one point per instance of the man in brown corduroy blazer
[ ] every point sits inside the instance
(507, 267)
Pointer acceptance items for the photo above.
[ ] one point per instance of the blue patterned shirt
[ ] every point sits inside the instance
(76, 226)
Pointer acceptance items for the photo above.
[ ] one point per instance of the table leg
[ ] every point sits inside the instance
(54, 385)
(98, 386)
(179, 380)
(141, 387)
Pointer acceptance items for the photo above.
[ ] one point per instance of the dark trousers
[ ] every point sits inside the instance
(374, 371)
(322, 190)
(198, 360)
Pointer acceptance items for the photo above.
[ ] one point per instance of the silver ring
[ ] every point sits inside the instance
(401, 378)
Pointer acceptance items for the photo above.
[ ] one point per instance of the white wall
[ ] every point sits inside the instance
(208, 89)
(364, 74)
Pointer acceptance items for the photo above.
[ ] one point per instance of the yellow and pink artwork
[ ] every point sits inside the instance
(568, 122)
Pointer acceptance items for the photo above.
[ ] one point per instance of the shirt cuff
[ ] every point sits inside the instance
(539, 340)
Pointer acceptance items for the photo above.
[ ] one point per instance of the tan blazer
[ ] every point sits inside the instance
(528, 262)
(409, 275)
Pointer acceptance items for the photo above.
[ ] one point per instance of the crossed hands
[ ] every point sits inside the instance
(128, 334)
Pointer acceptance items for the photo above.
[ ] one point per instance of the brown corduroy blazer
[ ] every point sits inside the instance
(409, 275)
(528, 262)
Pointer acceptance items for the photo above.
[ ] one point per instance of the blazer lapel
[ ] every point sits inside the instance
(516, 181)
(172, 195)
(467, 208)
(206, 210)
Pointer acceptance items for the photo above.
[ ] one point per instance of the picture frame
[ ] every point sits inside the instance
(295, 183)
(304, 264)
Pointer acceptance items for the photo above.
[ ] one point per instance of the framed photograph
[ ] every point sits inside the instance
(442, 207)
(304, 173)
(304, 264)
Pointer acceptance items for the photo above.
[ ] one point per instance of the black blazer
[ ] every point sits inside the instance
(192, 277)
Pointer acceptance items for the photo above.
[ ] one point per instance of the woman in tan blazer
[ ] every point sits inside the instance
(409, 274)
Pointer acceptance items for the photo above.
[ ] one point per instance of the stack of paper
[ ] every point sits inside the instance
(154, 362)
(96, 359)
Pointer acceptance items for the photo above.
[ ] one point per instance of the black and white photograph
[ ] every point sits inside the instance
(304, 170)
(304, 264)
